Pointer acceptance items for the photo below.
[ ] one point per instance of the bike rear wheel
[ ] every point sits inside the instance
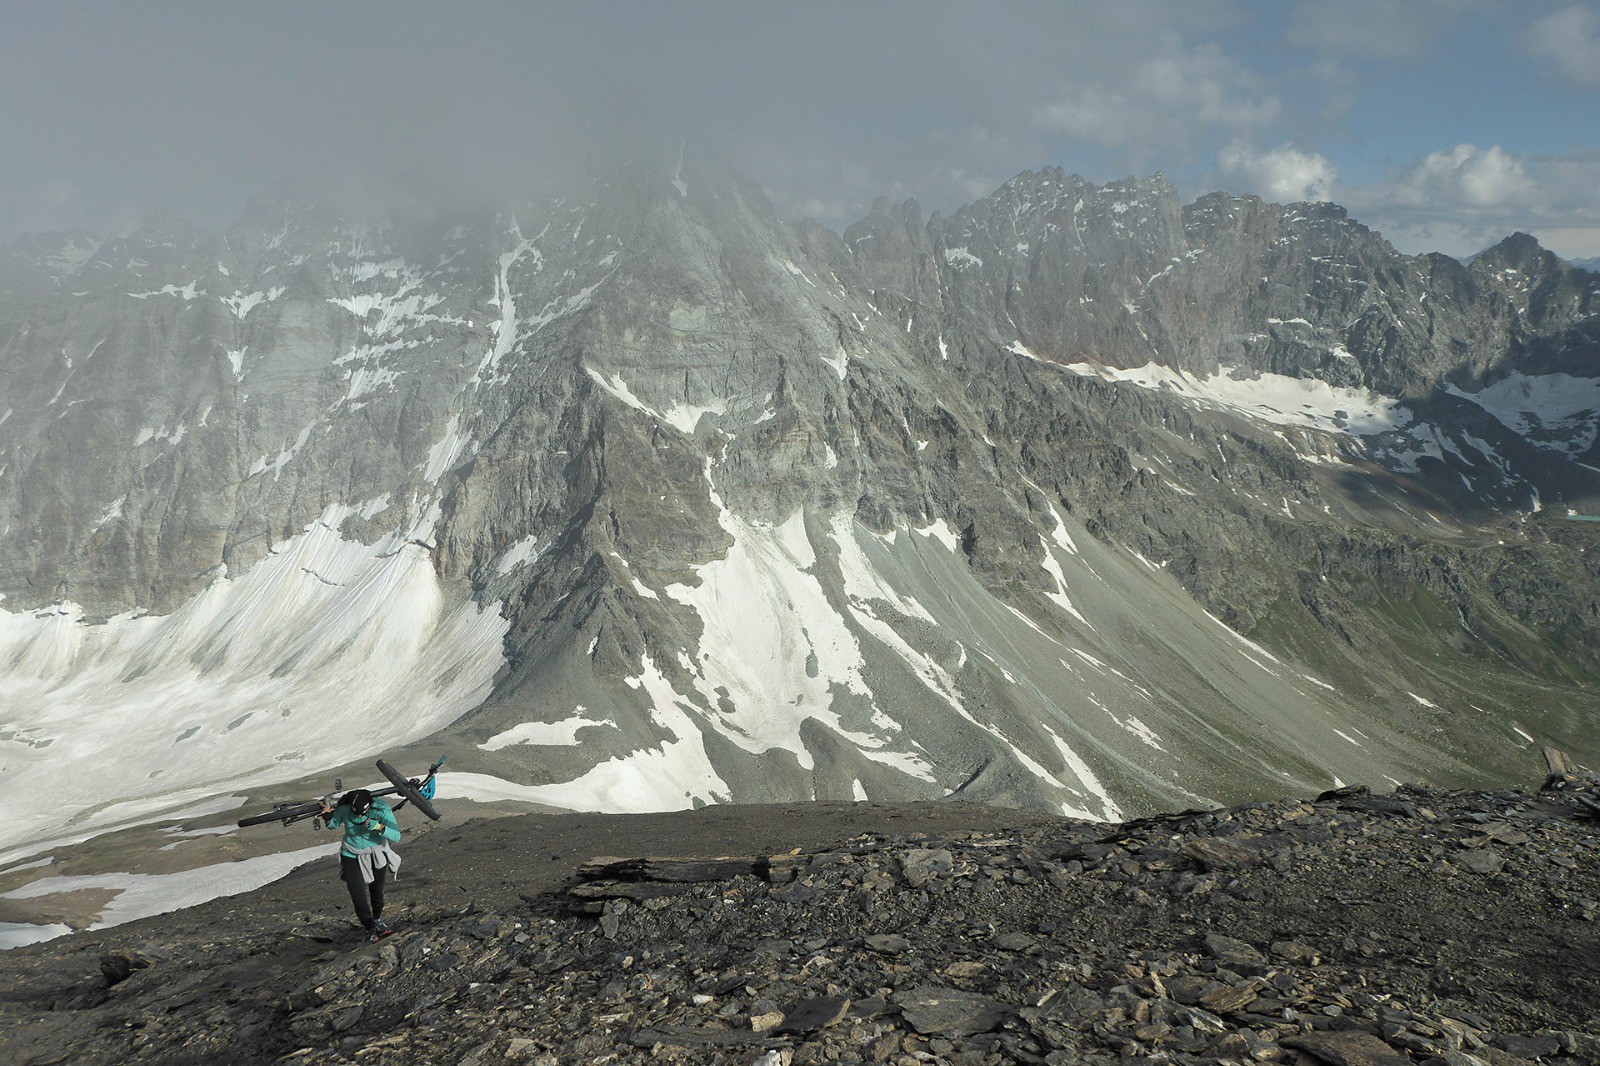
(406, 789)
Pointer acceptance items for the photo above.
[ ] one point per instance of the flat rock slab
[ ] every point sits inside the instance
(1484, 861)
(662, 868)
(688, 1036)
(936, 1011)
(926, 864)
(1214, 854)
(638, 890)
(1347, 1049)
(809, 1015)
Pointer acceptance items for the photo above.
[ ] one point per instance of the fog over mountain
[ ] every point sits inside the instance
(635, 497)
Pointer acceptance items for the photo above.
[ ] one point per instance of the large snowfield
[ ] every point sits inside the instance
(323, 652)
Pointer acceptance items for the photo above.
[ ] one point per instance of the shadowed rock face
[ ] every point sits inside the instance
(1417, 927)
(1079, 499)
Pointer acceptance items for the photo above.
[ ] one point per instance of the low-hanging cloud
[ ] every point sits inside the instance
(1462, 199)
(1567, 45)
(1161, 104)
(1283, 174)
(190, 108)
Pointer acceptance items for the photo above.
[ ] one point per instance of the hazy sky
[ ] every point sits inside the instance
(1444, 123)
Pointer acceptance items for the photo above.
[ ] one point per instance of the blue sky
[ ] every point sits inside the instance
(1443, 123)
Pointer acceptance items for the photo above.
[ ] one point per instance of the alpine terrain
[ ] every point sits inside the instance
(639, 498)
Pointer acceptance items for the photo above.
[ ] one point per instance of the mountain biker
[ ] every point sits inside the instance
(368, 855)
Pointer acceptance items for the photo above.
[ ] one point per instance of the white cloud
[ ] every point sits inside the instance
(1465, 198)
(1160, 104)
(1283, 174)
(1568, 43)
(1467, 177)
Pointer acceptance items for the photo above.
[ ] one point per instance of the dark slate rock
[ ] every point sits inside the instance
(887, 943)
(1235, 954)
(1213, 854)
(1528, 1047)
(118, 966)
(935, 1011)
(1480, 861)
(812, 1014)
(925, 864)
(1347, 1049)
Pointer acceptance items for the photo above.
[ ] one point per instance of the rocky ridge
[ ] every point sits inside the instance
(1080, 499)
(1426, 926)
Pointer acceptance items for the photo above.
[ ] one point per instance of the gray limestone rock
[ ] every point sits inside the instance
(1080, 498)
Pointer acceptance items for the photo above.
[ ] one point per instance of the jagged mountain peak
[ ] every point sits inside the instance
(1518, 251)
(1075, 498)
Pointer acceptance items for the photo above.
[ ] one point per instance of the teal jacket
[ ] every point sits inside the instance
(358, 835)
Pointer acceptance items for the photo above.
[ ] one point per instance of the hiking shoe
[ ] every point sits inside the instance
(379, 930)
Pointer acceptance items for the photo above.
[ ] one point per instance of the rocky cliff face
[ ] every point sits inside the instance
(1081, 498)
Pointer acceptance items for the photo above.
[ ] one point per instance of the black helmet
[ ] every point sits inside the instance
(360, 801)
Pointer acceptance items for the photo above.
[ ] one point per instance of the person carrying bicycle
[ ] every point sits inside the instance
(367, 856)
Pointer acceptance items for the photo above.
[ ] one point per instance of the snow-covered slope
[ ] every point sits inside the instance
(640, 498)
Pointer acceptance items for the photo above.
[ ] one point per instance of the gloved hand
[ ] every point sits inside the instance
(375, 825)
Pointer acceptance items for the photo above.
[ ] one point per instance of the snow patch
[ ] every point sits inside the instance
(1543, 406)
(112, 513)
(1110, 811)
(186, 293)
(674, 776)
(1275, 398)
(682, 417)
(275, 464)
(523, 551)
(448, 451)
(677, 176)
(770, 639)
(863, 582)
(19, 934)
(147, 434)
(549, 734)
(940, 531)
(142, 895)
(241, 304)
(1059, 597)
